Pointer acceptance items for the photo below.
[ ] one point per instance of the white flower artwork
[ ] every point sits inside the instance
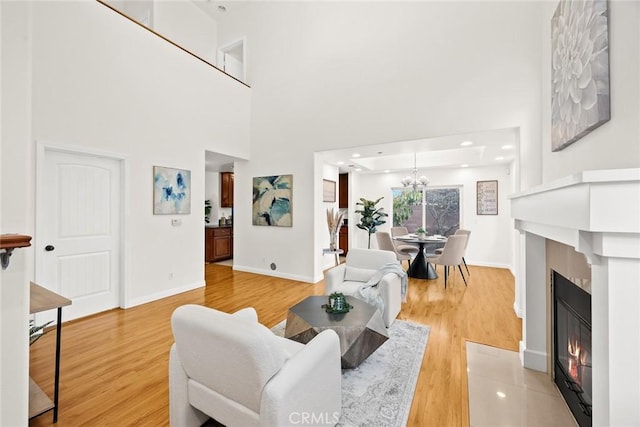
(579, 70)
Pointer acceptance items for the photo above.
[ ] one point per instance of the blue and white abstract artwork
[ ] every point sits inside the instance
(171, 191)
(272, 200)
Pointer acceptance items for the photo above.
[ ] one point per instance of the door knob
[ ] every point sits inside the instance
(49, 248)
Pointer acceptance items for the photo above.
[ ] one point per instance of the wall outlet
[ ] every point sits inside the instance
(176, 222)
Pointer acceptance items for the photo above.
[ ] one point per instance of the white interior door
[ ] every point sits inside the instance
(78, 230)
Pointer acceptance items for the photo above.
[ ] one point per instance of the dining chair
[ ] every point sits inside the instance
(466, 243)
(385, 243)
(451, 255)
(408, 249)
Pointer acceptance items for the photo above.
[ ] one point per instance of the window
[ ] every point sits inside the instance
(439, 215)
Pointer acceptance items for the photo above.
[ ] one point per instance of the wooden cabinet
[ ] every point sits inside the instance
(218, 244)
(343, 239)
(343, 191)
(208, 244)
(226, 189)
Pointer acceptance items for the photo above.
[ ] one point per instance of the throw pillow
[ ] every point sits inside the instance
(355, 274)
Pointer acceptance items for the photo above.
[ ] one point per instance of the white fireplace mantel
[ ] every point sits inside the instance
(597, 213)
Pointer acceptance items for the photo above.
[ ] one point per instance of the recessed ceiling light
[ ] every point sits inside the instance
(379, 152)
(355, 155)
(358, 170)
(341, 163)
(387, 171)
(467, 143)
(507, 147)
(499, 158)
(464, 166)
(500, 394)
(221, 8)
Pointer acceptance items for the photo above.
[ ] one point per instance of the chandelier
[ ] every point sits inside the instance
(415, 182)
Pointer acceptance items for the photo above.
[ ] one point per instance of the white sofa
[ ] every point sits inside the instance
(231, 368)
(360, 266)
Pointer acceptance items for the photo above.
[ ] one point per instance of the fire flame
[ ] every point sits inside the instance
(577, 358)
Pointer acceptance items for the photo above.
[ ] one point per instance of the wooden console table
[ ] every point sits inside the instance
(42, 300)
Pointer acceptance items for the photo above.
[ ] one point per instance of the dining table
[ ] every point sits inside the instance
(420, 268)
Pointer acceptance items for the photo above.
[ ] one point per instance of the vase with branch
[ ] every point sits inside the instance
(370, 217)
(334, 222)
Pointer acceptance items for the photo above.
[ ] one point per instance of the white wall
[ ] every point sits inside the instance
(187, 25)
(121, 89)
(615, 144)
(79, 75)
(491, 237)
(15, 217)
(346, 74)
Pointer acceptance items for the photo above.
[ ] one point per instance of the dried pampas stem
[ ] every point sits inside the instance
(334, 220)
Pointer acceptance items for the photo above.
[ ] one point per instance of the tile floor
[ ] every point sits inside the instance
(503, 393)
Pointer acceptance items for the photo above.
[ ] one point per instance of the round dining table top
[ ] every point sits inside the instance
(413, 238)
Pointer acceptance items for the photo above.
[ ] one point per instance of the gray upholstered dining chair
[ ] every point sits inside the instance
(451, 255)
(466, 233)
(408, 249)
(385, 243)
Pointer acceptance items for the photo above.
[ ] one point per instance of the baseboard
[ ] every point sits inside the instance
(276, 273)
(163, 294)
(490, 264)
(536, 360)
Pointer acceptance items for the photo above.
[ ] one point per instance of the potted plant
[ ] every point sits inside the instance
(421, 232)
(370, 217)
(207, 211)
(35, 332)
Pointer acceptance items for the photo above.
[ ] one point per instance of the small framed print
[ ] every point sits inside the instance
(328, 190)
(487, 197)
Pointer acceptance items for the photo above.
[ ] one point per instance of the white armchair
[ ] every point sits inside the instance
(360, 266)
(235, 370)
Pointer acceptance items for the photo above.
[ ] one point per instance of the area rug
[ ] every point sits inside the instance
(379, 392)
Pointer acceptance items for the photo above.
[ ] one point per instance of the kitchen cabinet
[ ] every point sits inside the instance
(343, 239)
(218, 243)
(343, 191)
(226, 189)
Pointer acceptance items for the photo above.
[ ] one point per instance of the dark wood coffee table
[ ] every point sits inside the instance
(361, 330)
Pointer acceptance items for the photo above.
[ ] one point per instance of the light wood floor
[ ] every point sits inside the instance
(114, 364)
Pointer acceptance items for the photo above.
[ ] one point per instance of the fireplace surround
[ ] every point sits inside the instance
(598, 214)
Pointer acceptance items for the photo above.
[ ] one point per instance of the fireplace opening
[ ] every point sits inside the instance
(572, 346)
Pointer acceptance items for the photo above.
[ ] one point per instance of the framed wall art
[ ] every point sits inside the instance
(487, 197)
(272, 200)
(328, 190)
(579, 70)
(171, 191)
